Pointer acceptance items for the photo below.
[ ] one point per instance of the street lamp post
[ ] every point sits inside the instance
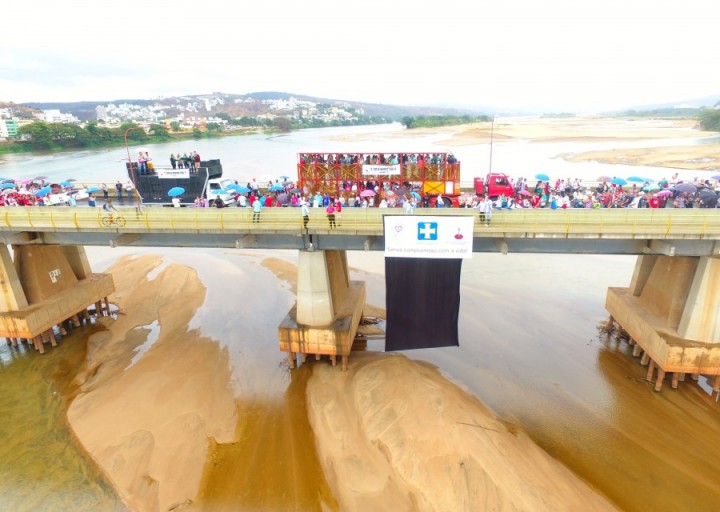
(492, 129)
(132, 172)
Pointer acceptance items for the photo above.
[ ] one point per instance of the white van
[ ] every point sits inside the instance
(220, 187)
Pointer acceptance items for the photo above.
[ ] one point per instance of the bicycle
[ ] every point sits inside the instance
(113, 220)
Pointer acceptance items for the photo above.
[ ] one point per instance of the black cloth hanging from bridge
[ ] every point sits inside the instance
(423, 302)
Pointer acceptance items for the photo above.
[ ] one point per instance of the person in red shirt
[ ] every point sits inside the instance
(653, 202)
(338, 211)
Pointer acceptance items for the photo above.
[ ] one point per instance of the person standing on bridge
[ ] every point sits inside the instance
(257, 206)
(486, 207)
(330, 210)
(305, 212)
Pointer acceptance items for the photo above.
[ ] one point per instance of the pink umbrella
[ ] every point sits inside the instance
(367, 193)
(664, 193)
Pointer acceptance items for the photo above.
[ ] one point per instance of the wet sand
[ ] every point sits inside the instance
(536, 410)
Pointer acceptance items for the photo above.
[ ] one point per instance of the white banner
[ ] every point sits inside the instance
(420, 236)
(173, 173)
(381, 170)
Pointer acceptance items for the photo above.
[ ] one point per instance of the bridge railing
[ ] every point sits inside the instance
(615, 223)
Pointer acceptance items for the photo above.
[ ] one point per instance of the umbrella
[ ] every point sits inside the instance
(233, 186)
(618, 181)
(390, 193)
(276, 188)
(176, 191)
(40, 178)
(715, 177)
(71, 179)
(242, 190)
(604, 178)
(685, 187)
(542, 177)
(7, 180)
(707, 193)
(664, 193)
(524, 192)
(283, 198)
(284, 178)
(651, 188)
(7, 191)
(295, 190)
(90, 190)
(43, 192)
(637, 179)
(415, 195)
(367, 193)
(7, 186)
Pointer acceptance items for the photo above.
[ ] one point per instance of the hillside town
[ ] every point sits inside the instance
(187, 113)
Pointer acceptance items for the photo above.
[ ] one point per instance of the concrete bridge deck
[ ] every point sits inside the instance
(689, 232)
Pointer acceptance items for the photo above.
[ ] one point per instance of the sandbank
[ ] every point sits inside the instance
(390, 433)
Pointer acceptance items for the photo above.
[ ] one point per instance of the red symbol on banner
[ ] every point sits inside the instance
(458, 236)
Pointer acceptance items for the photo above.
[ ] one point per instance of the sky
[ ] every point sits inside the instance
(555, 55)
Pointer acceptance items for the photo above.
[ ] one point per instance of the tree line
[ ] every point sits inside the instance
(444, 120)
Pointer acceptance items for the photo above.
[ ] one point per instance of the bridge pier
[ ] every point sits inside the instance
(42, 287)
(325, 318)
(670, 310)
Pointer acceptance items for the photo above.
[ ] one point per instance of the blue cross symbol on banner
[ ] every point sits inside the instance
(427, 230)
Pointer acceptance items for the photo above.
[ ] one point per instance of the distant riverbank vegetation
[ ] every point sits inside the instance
(42, 136)
(435, 121)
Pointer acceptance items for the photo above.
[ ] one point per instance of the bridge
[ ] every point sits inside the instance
(672, 232)
(669, 311)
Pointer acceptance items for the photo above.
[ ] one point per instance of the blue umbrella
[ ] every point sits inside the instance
(241, 190)
(542, 177)
(66, 184)
(176, 191)
(276, 188)
(618, 181)
(7, 185)
(43, 192)
(90, 190)
(637, 179)
(651, 188)
(233, 186)
(415, 195)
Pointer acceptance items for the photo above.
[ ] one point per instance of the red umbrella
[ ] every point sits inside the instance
(525, 193)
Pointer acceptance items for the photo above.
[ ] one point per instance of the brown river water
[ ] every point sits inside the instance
(532, 349)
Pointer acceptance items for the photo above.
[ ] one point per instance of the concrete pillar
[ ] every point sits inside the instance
(43, 271)
(78, 260)
(12, 295)
(700, 320)
(643, 266)
(322, 285)
(667, 287)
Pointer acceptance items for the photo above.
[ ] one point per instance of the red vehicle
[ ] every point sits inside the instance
(494, 185)
(351, 174)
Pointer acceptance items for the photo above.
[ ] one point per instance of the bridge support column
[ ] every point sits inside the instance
(671, 311)
(325, 318)
(43, 286)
